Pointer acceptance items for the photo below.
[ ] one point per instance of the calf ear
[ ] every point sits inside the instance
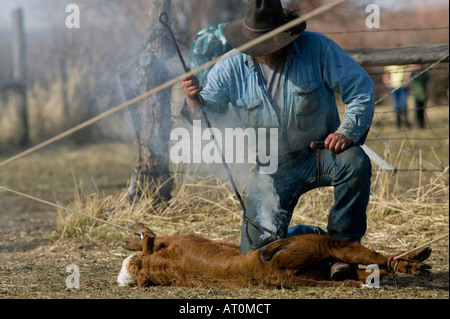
(148, 243)
(141, 228)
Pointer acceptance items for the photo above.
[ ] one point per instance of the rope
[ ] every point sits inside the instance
(396, 258)
(172, 82)
(91, 121)
(68, 209)
(415, 109)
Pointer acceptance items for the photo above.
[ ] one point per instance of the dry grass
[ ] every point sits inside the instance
(407, 209)
(10, 120)
(397, 218)
(203, 205)
(33, 263)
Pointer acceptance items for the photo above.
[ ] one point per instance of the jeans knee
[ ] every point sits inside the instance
(363, 166)
(359, 167)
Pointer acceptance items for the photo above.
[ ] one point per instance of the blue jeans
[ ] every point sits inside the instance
(399, 99)
(349, 172)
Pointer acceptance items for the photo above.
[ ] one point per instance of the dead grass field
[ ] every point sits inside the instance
(37, 242)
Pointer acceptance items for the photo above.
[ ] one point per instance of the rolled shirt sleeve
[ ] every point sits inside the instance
(346, 77)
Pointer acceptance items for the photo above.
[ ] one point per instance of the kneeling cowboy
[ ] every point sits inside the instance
(289, 82)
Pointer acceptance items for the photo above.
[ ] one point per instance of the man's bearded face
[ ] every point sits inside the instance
(270, 59)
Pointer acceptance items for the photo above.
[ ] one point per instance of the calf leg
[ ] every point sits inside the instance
(411, 263)
(358, 254)
(355, 253)
(413, 267)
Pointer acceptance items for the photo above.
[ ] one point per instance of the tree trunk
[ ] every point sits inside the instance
(152, 117)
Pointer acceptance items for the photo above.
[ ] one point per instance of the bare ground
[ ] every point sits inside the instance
(33, 265)
(33, 260)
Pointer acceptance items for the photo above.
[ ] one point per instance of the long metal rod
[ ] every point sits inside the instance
(164, 20)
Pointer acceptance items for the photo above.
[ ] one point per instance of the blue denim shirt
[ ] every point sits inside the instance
(315, 70)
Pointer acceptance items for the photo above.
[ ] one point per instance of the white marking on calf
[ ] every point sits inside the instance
(124, 279)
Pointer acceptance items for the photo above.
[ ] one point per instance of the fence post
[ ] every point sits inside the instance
(20, 70)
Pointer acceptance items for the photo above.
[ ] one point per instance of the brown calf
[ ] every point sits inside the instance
(305, 260)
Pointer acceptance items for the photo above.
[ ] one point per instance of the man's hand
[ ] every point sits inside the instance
(191, 87)
(337, 142)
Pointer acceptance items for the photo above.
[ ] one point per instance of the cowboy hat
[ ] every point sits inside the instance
(262, 16)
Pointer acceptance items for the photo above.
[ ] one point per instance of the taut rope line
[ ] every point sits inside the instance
(68, 209)
(170, 83)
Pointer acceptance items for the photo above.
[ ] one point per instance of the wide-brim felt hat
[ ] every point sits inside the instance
(261, 17)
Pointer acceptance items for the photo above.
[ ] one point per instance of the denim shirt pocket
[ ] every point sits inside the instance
(306, 98)
(306, 101)
(250, 111)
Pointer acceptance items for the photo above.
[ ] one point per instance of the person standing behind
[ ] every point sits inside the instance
(393, 78)
(419, 88)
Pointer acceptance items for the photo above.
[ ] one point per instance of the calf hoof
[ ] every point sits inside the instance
(422, 254)
(421, 269)
(342, 271)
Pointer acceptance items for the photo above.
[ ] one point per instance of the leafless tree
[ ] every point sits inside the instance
(151, 117)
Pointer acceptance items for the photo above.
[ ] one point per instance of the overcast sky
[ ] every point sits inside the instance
(35, 16)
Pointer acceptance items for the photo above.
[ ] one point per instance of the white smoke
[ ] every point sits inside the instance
(267, 202)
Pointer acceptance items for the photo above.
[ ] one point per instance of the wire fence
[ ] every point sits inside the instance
(375, 30)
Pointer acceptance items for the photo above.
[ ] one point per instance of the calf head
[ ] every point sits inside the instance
(131, 271)
(135, 243)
